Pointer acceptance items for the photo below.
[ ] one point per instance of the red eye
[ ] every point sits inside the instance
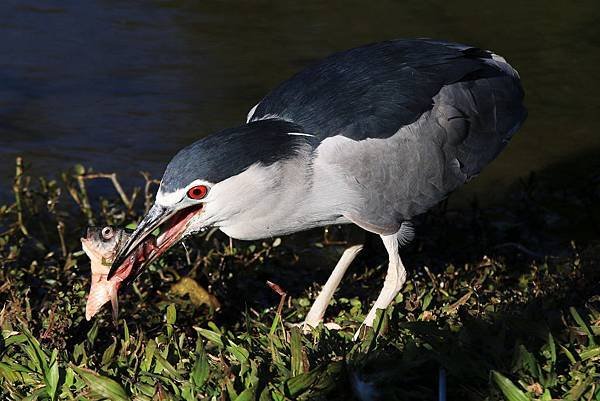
(198, 192)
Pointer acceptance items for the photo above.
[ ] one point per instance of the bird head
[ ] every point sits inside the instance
(210, 181)
(174, 215)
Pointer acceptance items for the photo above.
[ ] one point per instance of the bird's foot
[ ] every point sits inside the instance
(308, 327)
(358, 332)
(332, 326)
(366, 324)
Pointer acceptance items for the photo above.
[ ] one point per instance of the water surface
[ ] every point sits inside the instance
(121, 87)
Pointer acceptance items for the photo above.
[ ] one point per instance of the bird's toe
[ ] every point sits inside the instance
(307, 328)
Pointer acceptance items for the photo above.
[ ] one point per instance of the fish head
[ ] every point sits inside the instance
(103, 243)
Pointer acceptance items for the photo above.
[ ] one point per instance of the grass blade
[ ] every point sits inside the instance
(211, 336)
(296, 352)
(167, 366)
(200, 370)
(508, 388)
(51, 375)
(102, 385)
(582, 325)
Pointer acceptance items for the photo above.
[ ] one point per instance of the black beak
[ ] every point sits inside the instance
(156, 216)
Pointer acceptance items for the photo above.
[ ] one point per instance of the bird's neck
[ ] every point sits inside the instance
(285, 197)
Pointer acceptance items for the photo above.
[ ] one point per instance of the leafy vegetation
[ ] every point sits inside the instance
(502, 321)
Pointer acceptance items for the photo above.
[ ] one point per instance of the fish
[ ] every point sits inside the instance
(101, 245)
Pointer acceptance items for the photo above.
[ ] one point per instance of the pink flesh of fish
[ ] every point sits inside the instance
(103, 290)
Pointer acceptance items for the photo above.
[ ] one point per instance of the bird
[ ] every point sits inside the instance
(372, 136)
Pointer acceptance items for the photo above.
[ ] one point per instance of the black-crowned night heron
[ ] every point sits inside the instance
(372, 136)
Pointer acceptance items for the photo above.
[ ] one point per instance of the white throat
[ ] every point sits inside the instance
(278, 199)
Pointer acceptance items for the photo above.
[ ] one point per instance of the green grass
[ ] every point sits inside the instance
(513, 325)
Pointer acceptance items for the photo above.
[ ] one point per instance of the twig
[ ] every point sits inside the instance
(13, 227)
(431, 277)
(84, 200)
(5, 286)
(278, 316)
(48, 332)
(147, 194)
(256, 256)
(461, 301)
(61, 235)
(187, 253)
(17, 191)
(128, 202)
(72, 191)
(282, 294)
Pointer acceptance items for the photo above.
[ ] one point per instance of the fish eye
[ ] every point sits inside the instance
(107, 233)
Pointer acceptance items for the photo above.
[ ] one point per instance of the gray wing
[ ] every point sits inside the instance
(411, 120)
(405, 174)
(373, 91)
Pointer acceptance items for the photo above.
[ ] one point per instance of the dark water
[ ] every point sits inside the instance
(122, 86)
